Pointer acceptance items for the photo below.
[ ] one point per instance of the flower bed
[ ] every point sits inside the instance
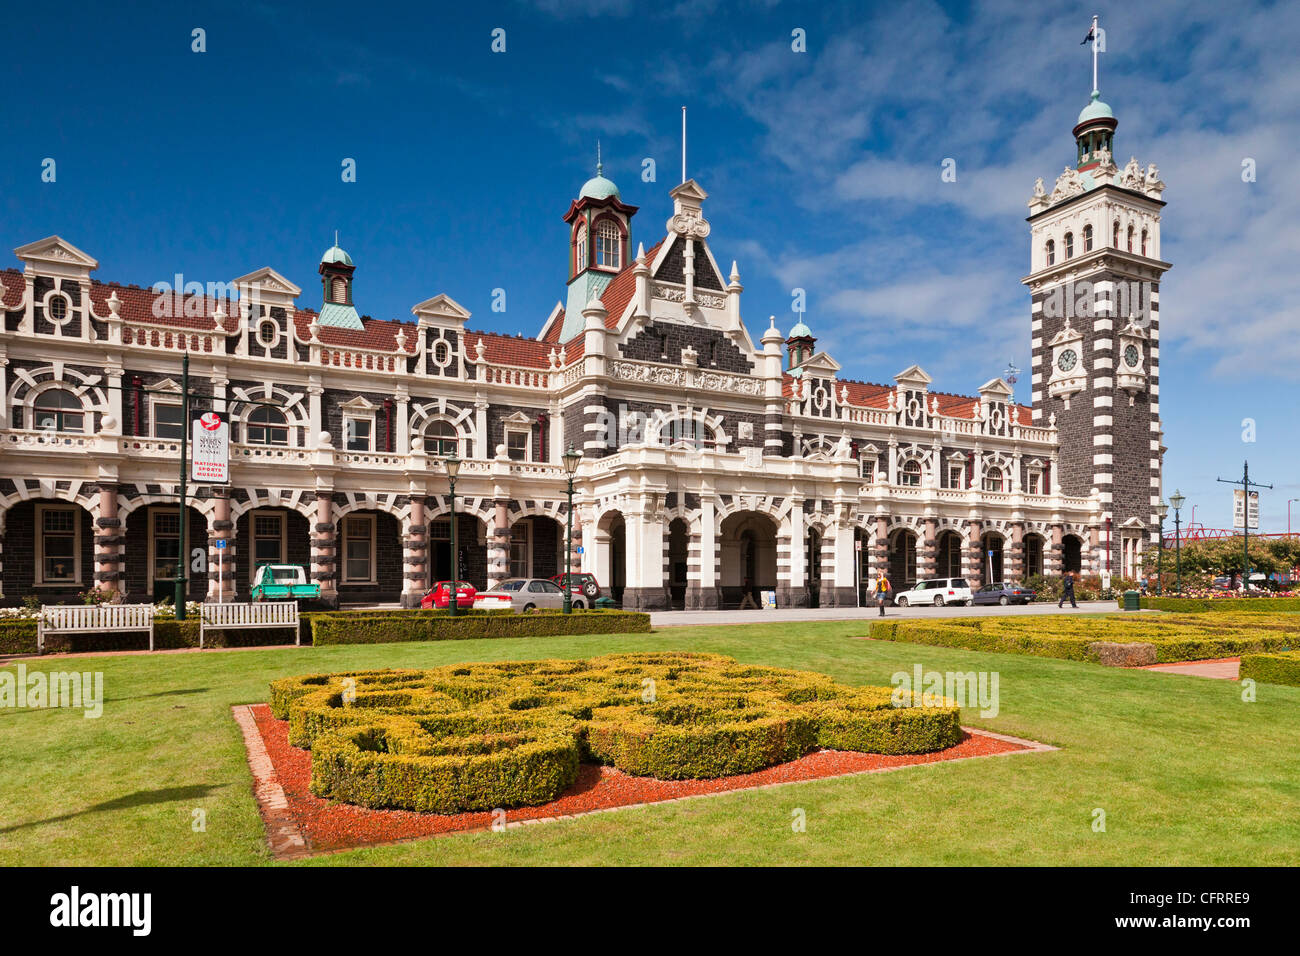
(1282, 668)
(508, 734)
(1220, 602)
(345, 627)
(1172, 638)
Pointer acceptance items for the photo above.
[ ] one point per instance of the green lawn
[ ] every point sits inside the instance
(1186, 772)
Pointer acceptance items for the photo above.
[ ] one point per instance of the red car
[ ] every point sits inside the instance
(583, 585)
(439, 595)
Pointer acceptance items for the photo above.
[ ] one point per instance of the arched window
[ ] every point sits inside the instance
(1087, 238)
(339, 290)
(686, 433)
(1069, 245)
(58, 410)
(442, 439)
(267, 425)
(1130, 238)
(1144, 242)
(1051, 252)
(580, 249)
(1114, 235)
(993, 479)
(911, 474)
(609, 245)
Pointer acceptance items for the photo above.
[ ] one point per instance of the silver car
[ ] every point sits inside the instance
(528, 594)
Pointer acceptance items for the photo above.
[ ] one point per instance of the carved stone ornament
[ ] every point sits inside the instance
(691, 226)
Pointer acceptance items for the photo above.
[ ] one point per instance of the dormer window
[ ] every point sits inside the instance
(911, 474)
(1087, 238)
(993, 479)
(1069, 245)
(609, 246)
(1051, 252)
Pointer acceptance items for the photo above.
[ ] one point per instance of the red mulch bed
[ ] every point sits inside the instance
(335, 826)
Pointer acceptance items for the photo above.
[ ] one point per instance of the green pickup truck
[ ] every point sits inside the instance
(283, 582)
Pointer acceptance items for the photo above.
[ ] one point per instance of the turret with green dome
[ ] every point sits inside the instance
(336, 270)
(1094, 132)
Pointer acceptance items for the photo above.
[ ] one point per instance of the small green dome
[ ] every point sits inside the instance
(598, 187)
(800, 331)
(335, 254)
(1095, 109)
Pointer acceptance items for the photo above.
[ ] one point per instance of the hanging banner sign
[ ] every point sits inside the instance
(210, 449)
(1243, 517)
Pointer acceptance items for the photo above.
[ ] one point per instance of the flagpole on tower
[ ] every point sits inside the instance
(683, 144)
(1094, 54)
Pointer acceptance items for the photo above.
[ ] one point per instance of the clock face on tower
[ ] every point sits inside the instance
(1067, 360)
(1131, 356)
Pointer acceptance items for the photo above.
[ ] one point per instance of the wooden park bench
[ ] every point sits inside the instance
(92, 619)
(257, 614)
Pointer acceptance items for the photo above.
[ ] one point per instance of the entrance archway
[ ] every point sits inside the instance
(748, 546)
(679, 537)
(153, 550)
(813, 564)
(471, 549)
(902, 559)
(611, 554)
(948, 555)
(536, 547)
(990, 558)
(1072, 554)
(1033, 555)
(49, 551)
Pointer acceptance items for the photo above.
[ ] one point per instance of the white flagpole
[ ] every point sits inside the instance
(1095, 37)
(683, 144)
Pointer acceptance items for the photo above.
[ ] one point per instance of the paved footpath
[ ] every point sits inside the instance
(780, 615)
(1224, 668)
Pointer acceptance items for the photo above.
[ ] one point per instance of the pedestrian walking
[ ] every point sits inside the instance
(882, 591)
(1067, 591)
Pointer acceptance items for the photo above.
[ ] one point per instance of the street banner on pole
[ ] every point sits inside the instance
(1241, 513)
(210, 449)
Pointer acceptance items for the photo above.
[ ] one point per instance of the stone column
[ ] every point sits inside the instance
(499, 544)
(791, 543)
(110, 542)
(3, 515)
(927, 553)
(1013, 554)
(839, 588)
(324, 550)
(221, 561)
(972, 564)
(1054, 553)
(702, 563)
(415, 555)
(645, 589)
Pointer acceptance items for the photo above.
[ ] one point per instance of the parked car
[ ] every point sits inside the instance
(583, 584)
(439, 595)
(936, 591)
(1003, 593)
(283, 582)
(531, 594)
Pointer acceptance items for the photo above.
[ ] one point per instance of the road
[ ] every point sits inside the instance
(682, 618)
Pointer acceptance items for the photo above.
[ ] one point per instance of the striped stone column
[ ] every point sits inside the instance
(927, 550)
(972, 560)
(221, 561)
(878, 553)
(499, 544)
(415, 555)
(1053, 553)
(110, 544)
(324, 549)
(1013, 554)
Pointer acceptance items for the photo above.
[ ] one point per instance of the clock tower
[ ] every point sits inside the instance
(1095, 271)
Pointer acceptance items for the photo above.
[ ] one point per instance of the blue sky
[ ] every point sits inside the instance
(823, 168)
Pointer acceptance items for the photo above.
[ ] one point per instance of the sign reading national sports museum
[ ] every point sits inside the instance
(210, 449)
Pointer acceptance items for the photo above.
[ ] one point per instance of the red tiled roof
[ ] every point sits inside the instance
(615, 298)
(510, 349)
(871, 395)
(553, 330)
(11, 288)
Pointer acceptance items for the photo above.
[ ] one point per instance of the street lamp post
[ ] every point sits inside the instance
(571, 459)
(453, 599)
(1288, 515)
(1177, 500)
(1162, 509)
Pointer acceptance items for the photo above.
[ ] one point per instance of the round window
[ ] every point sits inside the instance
(57, 308)
(268, 332)
(1067, 360)
(1131, 356)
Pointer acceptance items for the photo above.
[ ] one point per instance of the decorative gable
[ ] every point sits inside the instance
(56, 256)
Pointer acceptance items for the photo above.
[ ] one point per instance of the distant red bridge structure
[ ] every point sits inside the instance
(1198, 532)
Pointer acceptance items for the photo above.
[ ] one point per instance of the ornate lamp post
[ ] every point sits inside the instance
(1162, 509)
(1177, 500)
(571, 459)
(453, 600)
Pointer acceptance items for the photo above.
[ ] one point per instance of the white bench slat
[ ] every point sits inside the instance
(269, 614)
(93, 619)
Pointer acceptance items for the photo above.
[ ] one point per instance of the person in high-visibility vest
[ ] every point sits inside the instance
(882, 591)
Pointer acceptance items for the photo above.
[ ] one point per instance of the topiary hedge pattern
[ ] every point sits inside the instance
(1230, 605)
(1172, 638)
(347, 628)
(512, 733)
(1281, 668)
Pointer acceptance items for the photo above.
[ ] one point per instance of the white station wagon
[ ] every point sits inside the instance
(936, 592)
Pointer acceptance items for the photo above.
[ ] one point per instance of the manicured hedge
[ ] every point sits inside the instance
(18, 637)
(1244, 605)
(512, 733)
(346, 628)
(1173, 638)
(1281, 668)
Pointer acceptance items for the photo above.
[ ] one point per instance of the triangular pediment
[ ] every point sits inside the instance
(821, 362)
(358, 404)
(518, 418)
(1067, 334)
(443, 309)
(996, 386)
(266, 280)
(913, 375)
(56, 251)
(690, 191)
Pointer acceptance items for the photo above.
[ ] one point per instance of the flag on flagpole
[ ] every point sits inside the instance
(1091, 36)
